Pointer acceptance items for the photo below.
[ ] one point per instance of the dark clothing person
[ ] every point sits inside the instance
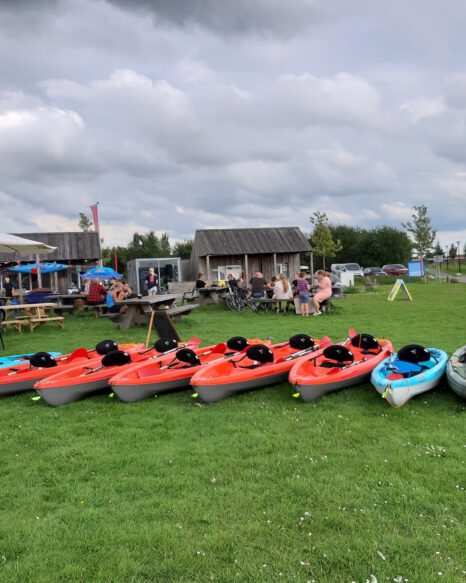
(152, 281)
(200, 283)
(257, 287)
(96, 294)
(8, 287)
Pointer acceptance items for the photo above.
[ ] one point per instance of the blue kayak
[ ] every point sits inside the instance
(16, 359)
(408, 373)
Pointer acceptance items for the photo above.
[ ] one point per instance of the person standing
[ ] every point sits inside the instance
(303, 290)
(152, 282)
(9, 289)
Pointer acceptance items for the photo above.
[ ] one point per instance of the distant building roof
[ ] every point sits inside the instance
(79, 246)
(250, 241)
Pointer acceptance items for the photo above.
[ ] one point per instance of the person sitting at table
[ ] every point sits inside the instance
(324, 287)
(129, 294)
(84, 287)
(96, 293)
(152, 282)
(241, 280)
(282, 290)
(200, 281)
(257, 285)
(118, 294)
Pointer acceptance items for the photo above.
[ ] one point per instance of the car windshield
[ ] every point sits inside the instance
(398, 266)
(352, 266)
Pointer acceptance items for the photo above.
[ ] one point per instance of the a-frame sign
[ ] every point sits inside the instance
(399, 284)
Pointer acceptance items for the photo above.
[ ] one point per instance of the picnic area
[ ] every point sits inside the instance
(257, 488)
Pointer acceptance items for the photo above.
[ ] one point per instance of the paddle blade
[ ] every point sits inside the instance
(352, 332)
(193, 342)
(78, 353)
(325, 341)
(220, 348)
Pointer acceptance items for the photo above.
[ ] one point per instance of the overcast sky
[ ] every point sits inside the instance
(185, 114)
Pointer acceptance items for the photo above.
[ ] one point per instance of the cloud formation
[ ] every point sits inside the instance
(182, 115)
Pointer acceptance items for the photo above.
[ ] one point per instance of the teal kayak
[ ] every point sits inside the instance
(16, 359)
(411, 371)
(456, 372)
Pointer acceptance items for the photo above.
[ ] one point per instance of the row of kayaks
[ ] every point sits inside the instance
(314, 367)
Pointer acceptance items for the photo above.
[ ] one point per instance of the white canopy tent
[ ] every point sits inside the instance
(24, 247)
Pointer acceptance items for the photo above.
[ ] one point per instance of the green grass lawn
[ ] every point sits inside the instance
(257, 488)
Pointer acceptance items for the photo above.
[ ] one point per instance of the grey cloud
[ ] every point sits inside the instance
(236, 17)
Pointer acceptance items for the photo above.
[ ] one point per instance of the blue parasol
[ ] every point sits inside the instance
(44, 268)
(102, 272)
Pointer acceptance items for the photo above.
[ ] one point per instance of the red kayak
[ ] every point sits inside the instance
(74, 383)
(259, 367)
(16, 379)
(338, 366)
(173, 373)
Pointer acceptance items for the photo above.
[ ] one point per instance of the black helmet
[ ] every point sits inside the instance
(413, 353)
(365, 341)
(42, 360)
(165, 345)
(260, 353)
(106, 346)
(237, 343)
(301, 341)
(338, 353)
(116, 358)
(189, 356)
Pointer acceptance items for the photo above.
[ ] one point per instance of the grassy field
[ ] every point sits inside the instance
(257, 488)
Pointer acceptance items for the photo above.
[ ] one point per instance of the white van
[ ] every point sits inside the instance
(351, 268)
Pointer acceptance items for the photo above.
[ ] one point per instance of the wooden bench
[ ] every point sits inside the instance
(97, 309)
(17, 324)
(190, 296)
(178, 311)
(34, 322)
(62, 309)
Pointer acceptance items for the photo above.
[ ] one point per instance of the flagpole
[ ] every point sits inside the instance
(95, 217)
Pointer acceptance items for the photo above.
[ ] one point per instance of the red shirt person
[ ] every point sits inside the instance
(96, 293)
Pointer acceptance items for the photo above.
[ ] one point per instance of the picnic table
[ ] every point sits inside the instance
(139, 310)
(31, 315)
(212, 294)
(68, 299)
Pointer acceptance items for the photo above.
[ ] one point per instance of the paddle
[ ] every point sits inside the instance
(325, 341)
(78, 353)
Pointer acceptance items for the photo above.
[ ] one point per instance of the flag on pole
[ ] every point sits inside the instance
(95, 216)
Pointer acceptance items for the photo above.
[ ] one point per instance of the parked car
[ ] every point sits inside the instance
(354, 268)
(375, 271)
(395, 269)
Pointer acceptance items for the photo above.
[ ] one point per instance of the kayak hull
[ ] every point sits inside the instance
(137, 392)
(456, 372)
(18, 386)
(65, 395)
(218, 392)
(398, 392)
(309, 393)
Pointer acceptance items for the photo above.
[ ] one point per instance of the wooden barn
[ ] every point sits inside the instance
(78, 250)
(218, 252)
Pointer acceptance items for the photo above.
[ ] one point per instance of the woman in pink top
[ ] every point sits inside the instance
(324, 285)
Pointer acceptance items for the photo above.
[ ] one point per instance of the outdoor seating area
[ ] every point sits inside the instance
(30, 316)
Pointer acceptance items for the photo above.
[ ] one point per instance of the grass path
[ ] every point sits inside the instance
(258, 488)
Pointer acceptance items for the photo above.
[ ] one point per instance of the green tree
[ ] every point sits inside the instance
(421, 231)
(452, 251)
(387, 245)
(85, 224)
(323, 244)
(438, 249)
(353, 244)
(182, 249)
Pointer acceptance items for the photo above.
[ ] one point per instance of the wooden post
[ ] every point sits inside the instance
(311, 253)
(275, 264)
(207, 260)
(246, 267)
(151, 321)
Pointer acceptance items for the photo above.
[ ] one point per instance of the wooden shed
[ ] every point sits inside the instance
(80, 250)
(218, 252)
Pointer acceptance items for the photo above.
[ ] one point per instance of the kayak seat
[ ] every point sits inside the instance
(337, 355)
(334, 364)
(406, 369)
(367, 343)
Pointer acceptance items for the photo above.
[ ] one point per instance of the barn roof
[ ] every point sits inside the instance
(250, 241)
(70, 246)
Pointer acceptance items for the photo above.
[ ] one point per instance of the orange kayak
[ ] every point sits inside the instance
(256, 369)
(16, 379)
(76, 382)
(171, 373)
(338, 366)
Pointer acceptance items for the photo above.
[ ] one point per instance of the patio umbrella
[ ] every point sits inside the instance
(103, 272)
(44, 268)
(9, 243)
